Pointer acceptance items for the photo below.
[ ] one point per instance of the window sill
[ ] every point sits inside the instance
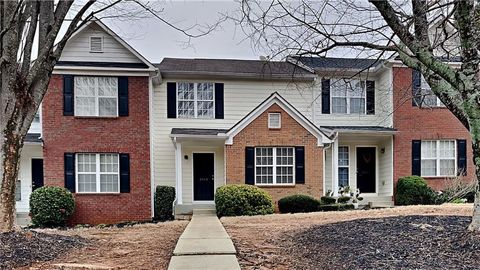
(96, 117)
(276, 186)
(98, 194)
(438, 177)
(432, 107)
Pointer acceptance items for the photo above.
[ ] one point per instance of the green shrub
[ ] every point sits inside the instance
(298, 204)
(164, 197)
(243, 200)
(51, 206)
(335, 207)
(327, 200)
(414, 190)
(343, 199)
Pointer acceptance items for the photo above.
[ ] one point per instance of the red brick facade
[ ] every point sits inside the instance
(129, 134)
(415, 123)
(292, 134)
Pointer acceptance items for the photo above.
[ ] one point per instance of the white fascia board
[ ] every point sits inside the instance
(101, 71)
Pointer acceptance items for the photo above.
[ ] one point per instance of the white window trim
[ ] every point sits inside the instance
(195, 101)
(97, 173)
(274, 166)
(437, 158)
(279, 120)
(97, 104)
(348, 97)
(344, 166)
(90, 43)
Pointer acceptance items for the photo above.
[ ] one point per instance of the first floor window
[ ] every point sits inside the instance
(97, 173)
(438, 158)
(348, 96)
(195, 100)
(96, 96)
(274, 165)
(343, 163)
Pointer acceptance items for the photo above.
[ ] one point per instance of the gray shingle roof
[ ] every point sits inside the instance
(325, 63)
(33, 138)
(197, 131)
(232, 67)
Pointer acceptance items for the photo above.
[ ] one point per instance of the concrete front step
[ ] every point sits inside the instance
(23, 219)
(204, 211)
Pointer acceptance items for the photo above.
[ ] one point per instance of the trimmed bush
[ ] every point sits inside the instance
(343, 199)
(327, 200)
(243, 200)
(51, 206)
(164, 197)
(336, 207)
(298, 204)
(413, 190)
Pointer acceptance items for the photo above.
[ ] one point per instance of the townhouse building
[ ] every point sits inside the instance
(113, 126)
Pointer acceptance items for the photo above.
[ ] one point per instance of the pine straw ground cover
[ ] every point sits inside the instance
(411, 237)
(142, 246)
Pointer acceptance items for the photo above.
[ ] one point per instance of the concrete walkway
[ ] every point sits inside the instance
(204, 245)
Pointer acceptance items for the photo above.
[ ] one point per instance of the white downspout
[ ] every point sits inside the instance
(152, 148)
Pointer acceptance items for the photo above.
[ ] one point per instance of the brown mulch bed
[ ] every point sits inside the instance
(26, 247)
(144, 246)
(411, 242)
(269, 242)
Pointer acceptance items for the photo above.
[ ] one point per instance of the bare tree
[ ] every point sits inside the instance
(24, 81)
(422, 33)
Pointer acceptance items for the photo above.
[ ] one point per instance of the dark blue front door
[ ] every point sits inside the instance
(37, 173)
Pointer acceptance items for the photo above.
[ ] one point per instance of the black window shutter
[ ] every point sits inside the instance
(325, 96)
(124, 173)
(123, 96)
(299, 165)
(250, 165)
(69, 165)
(370, 97)
(219, 107)
(462, 157)
(171, 100)
(416, 88)
(416, 157)
(68, 98)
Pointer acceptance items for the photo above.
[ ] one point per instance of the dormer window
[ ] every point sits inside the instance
(96, 44)
(274, 120)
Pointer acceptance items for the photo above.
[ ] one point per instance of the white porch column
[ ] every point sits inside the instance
(335, 166)
(178, 172)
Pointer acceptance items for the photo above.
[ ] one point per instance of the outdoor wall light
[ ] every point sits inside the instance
(185, 157)
(382, 150)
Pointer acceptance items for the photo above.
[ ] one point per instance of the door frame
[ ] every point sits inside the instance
(214, 176)
(376, 169)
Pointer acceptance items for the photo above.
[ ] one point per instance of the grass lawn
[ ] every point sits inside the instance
(412, 237)
(145, 246)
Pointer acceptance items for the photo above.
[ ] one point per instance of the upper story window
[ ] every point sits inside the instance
(274, 120)
(96, 96)
(36, 126)
(195, 100)
(348, 96)
(429, 99)
(274, 165)
(96, 44)
(438, 158)
(97, 173)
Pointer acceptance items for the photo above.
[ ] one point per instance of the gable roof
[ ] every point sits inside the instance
(336, 63)
(248, 69)
(276, 98)
(145, 64)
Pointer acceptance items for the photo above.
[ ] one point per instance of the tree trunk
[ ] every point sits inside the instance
(475, 224)
(10, 152)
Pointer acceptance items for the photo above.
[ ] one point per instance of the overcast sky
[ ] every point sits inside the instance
(156, 40)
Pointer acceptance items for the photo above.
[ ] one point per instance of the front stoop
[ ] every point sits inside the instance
(23, 219)
(205, 244)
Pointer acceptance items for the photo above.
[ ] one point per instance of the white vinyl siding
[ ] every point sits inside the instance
(29, 152)
(96, 96)
(78, 48)
(274, 165)
(195, 100)
(438, 158)
(97, 173)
